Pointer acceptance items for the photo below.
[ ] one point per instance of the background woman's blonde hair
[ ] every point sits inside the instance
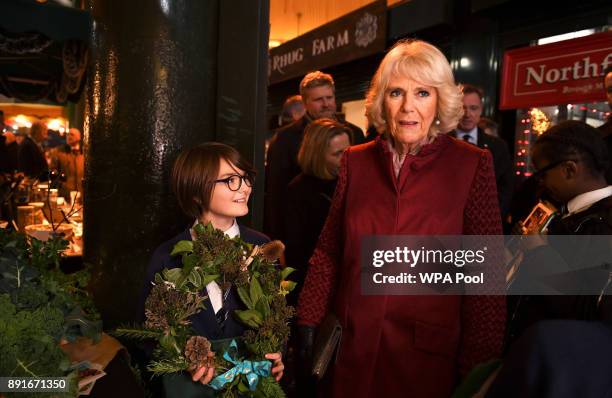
(420, 61)
(317, 135)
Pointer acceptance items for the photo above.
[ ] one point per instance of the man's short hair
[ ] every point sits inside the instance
(572, 139)
(38, 130)
(291, 104)
(472, 89)
(316, 79)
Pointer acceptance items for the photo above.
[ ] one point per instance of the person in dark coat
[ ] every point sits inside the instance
(564, 344)
(212, 183)
(571, 160)
(8, 148)
(310, 192)
(468, 130)
(558, 359)
(9, 153)
(309, 197)
(318, 93)
(412, 180)
(31, 157)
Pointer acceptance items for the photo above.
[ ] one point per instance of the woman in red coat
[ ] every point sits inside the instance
(412, 180)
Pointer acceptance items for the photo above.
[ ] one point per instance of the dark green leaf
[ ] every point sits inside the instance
(168, 343)
(183, 246)
(250, 317)
(198, 229)
(189, 263)
(206, 279)
(286, 272)
(172, 275)
(244, 296)
(263, 306)
(196, 279)
(255, 289)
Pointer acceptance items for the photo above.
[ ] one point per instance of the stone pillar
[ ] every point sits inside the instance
(241, 97)
(152, 91)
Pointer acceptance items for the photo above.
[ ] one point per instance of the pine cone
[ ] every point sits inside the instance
(273, 250)
(197, 350)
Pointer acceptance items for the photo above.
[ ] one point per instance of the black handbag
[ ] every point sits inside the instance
(327, 341)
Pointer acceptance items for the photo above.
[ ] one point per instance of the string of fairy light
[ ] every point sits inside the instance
(532, 124)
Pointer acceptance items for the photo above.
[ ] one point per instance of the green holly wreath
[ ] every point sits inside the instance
(176, 295)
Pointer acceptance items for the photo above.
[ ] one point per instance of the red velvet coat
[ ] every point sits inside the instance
(404, 346)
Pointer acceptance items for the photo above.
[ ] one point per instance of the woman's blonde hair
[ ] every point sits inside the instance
(420, 61)
(317, 135)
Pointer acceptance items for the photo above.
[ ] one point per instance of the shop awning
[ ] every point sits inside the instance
(59, 23)
(43, 50)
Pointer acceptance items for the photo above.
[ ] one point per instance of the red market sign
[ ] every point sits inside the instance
(566, 72)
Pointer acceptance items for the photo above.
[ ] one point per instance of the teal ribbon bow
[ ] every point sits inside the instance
(251, 369)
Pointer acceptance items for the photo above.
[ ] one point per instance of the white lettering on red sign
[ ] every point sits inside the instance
(583, 69)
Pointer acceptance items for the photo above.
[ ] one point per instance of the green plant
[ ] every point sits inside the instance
(39, 307)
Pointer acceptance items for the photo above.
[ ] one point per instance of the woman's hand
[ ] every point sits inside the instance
(277, 365)
(203, 374)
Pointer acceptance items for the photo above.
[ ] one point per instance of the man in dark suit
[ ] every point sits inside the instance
(318, 93)
(469, 131)
(31, 157)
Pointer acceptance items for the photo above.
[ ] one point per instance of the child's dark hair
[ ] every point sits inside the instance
(573, 140)
(194, 173)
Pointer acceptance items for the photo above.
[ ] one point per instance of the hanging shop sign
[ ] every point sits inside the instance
(356, 35)
(566, 72)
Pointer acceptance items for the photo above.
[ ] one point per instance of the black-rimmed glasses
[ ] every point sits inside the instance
(539, 174)
(234, 182)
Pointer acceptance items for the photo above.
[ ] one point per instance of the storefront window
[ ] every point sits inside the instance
(534, 121)
(41, 172)
(563, 67)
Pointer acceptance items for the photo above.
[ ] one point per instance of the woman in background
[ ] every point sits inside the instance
(310, 193)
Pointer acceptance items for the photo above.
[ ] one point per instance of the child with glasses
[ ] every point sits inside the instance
(212, 183)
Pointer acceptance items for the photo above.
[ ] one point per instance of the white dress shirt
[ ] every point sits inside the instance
(215, 294)
(587, 199)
